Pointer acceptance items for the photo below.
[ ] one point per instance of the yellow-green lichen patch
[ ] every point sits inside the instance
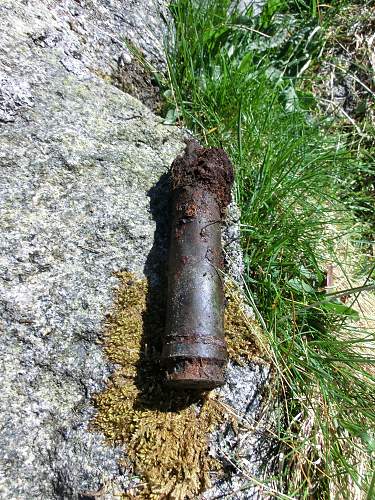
(242, 333)
(164, 432)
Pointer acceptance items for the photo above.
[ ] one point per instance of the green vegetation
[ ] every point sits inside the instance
(238, 81)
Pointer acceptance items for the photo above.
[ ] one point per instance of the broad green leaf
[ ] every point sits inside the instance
(339, 308)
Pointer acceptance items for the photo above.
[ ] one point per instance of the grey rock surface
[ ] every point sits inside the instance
(78, 161)
(246, 450)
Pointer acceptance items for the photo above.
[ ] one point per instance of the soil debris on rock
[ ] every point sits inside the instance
(133, 78)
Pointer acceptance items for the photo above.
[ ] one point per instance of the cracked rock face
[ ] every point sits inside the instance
(78, 158)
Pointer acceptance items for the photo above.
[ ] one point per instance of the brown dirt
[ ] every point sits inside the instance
(209, 168)
(134, 79)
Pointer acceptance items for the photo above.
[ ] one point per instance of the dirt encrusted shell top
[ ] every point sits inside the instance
(209, 168)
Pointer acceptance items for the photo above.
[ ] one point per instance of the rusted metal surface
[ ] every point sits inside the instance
(194, 352)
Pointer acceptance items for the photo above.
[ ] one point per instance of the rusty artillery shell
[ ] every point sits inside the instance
(194, 351)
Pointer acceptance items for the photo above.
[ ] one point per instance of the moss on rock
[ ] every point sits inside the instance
(165, 432)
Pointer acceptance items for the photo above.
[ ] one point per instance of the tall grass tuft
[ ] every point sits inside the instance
(233, 80)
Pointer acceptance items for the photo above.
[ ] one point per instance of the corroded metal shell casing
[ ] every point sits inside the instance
(194, 353)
